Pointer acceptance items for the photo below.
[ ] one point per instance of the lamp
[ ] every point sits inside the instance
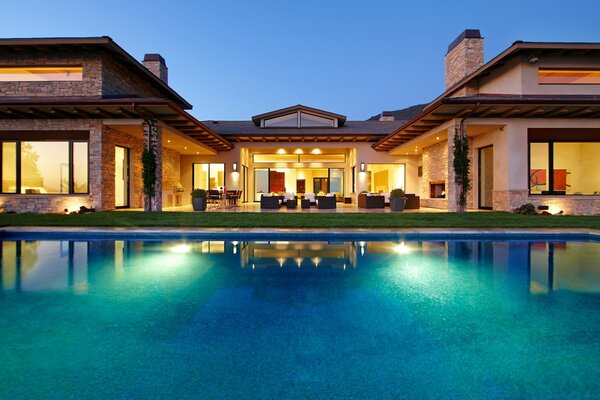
(363, 167)
(234, 167)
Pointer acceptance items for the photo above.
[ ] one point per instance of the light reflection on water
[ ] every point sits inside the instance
(359, 319)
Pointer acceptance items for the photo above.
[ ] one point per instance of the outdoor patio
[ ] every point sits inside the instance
(255, 207)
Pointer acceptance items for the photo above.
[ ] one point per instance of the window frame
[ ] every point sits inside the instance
(25, 67)
(550, 176)
(19, 172)
(209, 164)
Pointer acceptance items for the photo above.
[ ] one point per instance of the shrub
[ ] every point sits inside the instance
(199, 194)
(526, 209)
(397, 194)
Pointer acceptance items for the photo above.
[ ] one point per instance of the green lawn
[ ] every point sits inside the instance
(299, 220)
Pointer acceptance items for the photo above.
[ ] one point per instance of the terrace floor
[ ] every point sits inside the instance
(255, 207)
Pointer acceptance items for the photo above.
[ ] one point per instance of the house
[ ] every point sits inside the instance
(77, 113)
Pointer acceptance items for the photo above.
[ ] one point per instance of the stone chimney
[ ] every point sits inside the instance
(465, 55)
(387, 116)
(157, 65)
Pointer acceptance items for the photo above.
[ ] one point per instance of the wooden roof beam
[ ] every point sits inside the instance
(537, 110)
(511, 111)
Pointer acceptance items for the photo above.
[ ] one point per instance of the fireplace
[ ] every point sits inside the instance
(437, 189)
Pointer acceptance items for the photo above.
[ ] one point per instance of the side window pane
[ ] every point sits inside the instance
(313, 120)
(290, 120)
(44, 167)
(576, 168)
(538, 167)
(9, 167)
(80, 167)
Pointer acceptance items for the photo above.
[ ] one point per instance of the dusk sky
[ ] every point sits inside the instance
(235, 59)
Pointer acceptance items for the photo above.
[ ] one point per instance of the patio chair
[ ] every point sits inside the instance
(413, 202)
(214, 196)
(268, 202)
(326, 202)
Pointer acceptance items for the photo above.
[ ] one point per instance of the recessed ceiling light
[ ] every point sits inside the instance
(168, 141)
(185, 148)
(437, 138)
(197, 152)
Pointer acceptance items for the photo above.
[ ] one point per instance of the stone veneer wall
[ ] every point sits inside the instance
(57, 203)
(120, 80)
(171, 168)
(91, 85)
(508, 200)
(463, 59)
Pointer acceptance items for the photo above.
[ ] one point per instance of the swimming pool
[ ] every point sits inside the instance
(273, 318)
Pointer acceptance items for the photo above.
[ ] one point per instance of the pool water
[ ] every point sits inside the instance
(299, 319)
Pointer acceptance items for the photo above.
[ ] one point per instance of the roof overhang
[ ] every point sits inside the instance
(165, 111)
(333, 137)
(446, 109)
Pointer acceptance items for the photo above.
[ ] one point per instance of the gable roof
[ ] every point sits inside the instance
(298, 107)
(404, 114)
(102, 42)
(352, 131)
(445, 107)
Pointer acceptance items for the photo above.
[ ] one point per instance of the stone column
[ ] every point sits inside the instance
(451, 186)
(153, 142)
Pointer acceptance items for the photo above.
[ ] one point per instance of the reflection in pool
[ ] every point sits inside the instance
(453, 319)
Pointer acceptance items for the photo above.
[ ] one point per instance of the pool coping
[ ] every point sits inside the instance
(316, 233)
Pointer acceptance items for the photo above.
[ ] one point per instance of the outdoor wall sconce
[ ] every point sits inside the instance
(363, 167)
(234, 167)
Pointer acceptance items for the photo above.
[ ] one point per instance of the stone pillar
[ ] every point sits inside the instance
(153, 142)
(451, 187)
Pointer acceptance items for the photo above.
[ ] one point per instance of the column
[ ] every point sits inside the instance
(153, 142)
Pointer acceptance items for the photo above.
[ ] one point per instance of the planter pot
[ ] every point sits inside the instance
(397, 204)
(199, 204)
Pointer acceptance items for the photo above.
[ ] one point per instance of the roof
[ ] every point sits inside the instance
(103, 42)
(439, 110)
(166, 111)
(351, 131)
(404, 114)
(298, 107)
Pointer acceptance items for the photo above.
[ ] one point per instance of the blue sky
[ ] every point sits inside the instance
(235, 59)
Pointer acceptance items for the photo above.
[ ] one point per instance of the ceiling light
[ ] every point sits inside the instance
(316, 151)
(298, 151)
(168, 141)
(185, 148)
(281, 151)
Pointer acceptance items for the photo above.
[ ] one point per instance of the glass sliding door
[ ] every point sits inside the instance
(244, 184)
(336, 181)
(486, 177)
(261, 182)
(121, 177)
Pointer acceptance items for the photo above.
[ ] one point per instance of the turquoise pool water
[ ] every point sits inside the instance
(299, 319)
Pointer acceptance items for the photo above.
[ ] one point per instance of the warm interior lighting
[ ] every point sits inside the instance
(569, 77)
(316, 151)
(33, 74)
(234, 167)
(181, 248)
(168, 141)
(402, 248)
(298, 151)
(363, 167)
(281, 151)
(437, 138)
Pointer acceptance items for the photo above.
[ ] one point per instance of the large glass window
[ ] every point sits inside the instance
(299, 119)
(9, 167)
(44, 167)
(208, 176)
(33, 74)
(574, 165)
(382, 178)
(261, 182)
(569, 77)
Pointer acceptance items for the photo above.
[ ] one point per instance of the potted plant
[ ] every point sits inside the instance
(397, 200)
(199, 199)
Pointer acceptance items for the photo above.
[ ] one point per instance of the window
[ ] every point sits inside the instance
(569, 77)
(44, 167)
(574, 166)
(208, 176)
(299, 119)
(382, 178)
(285, 121)
(40, 74)
(308, 120)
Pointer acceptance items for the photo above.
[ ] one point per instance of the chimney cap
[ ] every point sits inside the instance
(466, 34)
(154, 57)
